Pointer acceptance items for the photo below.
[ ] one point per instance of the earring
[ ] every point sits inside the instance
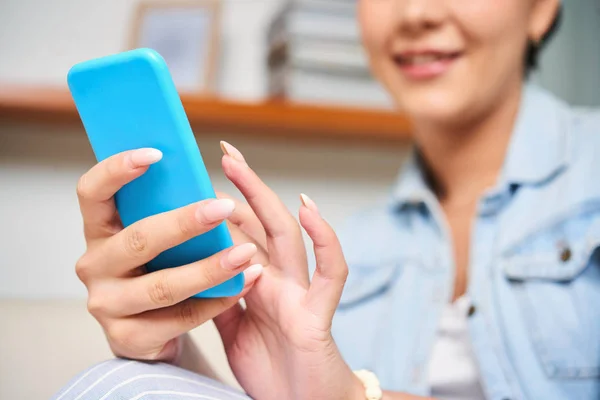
(533, 47)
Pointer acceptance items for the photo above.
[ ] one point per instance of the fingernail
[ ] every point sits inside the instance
(231, 151)
(308, 203)
(144, 157)
(252, 273)
(238, 255)
(215, 210)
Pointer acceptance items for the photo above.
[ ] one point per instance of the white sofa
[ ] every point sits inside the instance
(44, 343)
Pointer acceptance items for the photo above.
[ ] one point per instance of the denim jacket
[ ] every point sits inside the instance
(534, 274)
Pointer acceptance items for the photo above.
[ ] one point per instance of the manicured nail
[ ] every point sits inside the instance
(215, 210)
(238, 256)
(231, 151)
(144, 157)
(252, 273)
(308, 203)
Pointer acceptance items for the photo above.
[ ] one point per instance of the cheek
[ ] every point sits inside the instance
(375, 21)
(490, 15)
(496, 30)
(494, 33)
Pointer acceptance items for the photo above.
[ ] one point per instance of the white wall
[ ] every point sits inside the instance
(41, 39)
(40, 228)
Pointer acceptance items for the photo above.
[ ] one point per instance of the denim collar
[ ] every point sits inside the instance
(538, 150)
(411, 187)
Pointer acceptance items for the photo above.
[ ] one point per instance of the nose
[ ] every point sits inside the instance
(416, 16)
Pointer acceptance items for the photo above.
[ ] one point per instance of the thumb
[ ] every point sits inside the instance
(228, 322)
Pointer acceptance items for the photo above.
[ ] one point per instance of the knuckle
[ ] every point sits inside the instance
(338, 274)
(161, 291)
(114, 169)
(210, 275)
(224, 303)
(184, 225)
(287, 226)
(84, 267)
(120, 333)
(152, 354)
(344, 273)
(326, 237)
(188, 315)
(96, 305)
(84, 191)
(136, 241)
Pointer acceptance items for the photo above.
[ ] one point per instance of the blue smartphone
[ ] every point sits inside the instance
(128, 101)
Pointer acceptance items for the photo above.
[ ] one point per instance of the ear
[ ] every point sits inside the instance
(543, 13)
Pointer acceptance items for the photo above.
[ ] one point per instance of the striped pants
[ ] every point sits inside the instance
(133, 380)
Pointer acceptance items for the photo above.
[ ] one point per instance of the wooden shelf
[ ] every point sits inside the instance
(267, 118)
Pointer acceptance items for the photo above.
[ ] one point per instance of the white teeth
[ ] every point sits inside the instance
(422, 59)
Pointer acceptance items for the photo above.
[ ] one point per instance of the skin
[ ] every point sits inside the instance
(144, 315)
(286, 318)
(463, 121)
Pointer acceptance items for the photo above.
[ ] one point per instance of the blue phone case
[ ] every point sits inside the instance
(128, 101)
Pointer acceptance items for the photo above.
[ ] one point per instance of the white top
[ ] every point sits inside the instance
(453, 372)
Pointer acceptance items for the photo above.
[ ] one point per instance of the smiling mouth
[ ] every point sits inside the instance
(425, 65)
(410, 59)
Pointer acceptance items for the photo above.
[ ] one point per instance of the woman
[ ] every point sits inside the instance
(478, 279)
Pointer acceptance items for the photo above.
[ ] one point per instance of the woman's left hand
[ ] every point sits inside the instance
(280, 346)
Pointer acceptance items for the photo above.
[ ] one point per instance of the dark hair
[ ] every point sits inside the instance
(533, 49)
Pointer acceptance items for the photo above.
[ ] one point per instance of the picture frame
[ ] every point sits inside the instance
(187, 34)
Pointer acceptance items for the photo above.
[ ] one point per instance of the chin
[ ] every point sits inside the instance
(433, 107)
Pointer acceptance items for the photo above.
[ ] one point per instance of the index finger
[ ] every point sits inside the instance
(97, 187)
(246, 220)
(284, 237)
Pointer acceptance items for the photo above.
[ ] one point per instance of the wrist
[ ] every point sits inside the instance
(352, 387)
(335, 380)
(370, 383)
(357, 389)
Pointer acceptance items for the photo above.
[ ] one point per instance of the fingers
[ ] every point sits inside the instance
(269, 209)
(331, 271)
(284, 238)
(97, 187)
(172, 322)
(144, 240)
(170, 286)
(238, 236)
(244, 217)
(145, 336)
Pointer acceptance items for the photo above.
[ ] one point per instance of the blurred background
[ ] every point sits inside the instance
(288, 73)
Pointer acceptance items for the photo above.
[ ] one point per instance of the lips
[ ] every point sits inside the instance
(425, 64)
(426, 57)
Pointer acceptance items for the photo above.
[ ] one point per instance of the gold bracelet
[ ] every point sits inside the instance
(371, 384)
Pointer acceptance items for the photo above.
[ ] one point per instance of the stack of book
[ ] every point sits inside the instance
(316, 56)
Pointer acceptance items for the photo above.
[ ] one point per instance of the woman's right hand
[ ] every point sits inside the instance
(144, 315)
